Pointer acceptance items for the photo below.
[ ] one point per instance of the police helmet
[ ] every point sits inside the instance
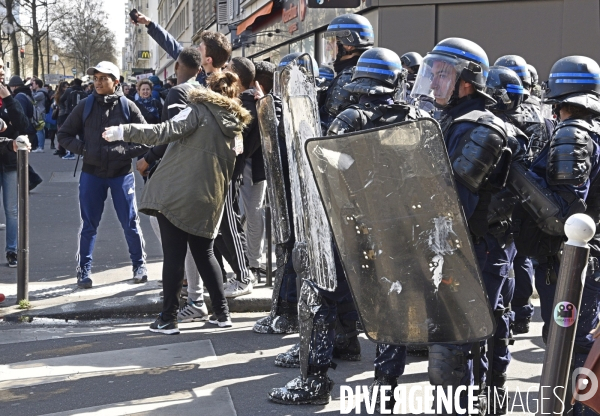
(412, 60)
(451, 60)
(534, 75)
(378, 71)
(303, 59)
(326, 76)
(574, 80)
(504, 86)
(352, 30)
(517, 64)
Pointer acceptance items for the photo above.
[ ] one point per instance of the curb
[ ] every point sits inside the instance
(130, 307)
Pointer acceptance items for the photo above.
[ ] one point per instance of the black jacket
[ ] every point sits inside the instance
(252, 143)
(13, 115)
(101, 158)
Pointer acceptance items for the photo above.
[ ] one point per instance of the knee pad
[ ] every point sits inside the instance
(447, 365)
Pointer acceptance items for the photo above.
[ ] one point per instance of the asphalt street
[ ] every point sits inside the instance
(117, 367)
(54, 225)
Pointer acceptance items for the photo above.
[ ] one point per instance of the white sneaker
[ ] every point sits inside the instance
(2, 226)
(223, 321)
(237, 288)
(193, 312)
(38, 150)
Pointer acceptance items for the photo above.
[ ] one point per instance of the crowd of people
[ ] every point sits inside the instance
(522, 161)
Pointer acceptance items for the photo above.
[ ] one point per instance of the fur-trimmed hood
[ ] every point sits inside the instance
(230, 114)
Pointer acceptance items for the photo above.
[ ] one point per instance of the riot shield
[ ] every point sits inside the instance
(390, 198)
(267, 122)
(313, 246)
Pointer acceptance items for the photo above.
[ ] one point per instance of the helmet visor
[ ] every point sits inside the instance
(328, 49)
(437, 77)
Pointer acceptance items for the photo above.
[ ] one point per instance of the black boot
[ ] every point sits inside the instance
(290, 358)
(497, 394)
(382, 380)
(316, 389)
(346, 345)
(285, 322)
(521, 326)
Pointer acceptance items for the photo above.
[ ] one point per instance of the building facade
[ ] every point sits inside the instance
(542, 31)
(139, 52)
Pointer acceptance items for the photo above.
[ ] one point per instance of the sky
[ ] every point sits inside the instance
(116, 22)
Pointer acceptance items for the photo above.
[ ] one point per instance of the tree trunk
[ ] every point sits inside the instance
(16, 64)
(35, 38)
(41, 48)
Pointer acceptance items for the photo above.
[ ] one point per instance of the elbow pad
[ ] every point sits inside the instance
(480, 149)
(539, 202)
(348, 121)
(569, 156)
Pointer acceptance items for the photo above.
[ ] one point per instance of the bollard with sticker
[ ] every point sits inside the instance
(579, 229)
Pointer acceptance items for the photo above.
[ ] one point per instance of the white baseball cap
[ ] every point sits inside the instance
(105, 67)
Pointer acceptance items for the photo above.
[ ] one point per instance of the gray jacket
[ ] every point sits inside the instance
(190, 184)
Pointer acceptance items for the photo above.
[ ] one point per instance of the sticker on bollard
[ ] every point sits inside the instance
(565, 314)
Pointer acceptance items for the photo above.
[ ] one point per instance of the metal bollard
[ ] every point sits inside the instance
(23, 221)
(554, 382)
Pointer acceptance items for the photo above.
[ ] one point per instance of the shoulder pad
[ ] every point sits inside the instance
(485, 118)
(578, 124)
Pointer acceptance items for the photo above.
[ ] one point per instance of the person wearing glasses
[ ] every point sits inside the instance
(105, 166)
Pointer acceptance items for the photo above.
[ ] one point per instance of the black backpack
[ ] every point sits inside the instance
(74, 98)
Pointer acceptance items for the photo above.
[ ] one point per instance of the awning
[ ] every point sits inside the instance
(263, 11)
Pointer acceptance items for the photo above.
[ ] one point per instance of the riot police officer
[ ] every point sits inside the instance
(561, 182)
(283, 318)
(504, 85)
(528, 118)
(375, 85)
(346, 38)
(455, 74)
(376, 107)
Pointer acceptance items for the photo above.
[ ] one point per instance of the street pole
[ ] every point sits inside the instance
(23, 221)
(554, 382)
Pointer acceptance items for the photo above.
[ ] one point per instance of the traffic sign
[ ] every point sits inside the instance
(74, 71)
(54, 79)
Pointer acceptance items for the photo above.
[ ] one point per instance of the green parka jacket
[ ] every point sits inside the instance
(190, 184)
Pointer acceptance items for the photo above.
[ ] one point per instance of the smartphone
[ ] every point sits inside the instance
(134, 15)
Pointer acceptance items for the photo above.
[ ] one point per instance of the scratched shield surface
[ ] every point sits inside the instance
(392, 204)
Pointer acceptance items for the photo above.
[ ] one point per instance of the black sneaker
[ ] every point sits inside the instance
(169, 328)
(223, 321)
(11, 259)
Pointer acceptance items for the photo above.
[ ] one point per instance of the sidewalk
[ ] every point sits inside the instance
(54, 226)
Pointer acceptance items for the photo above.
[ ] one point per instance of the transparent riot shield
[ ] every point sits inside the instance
(267, 122)
(313, 244)
(403, 239)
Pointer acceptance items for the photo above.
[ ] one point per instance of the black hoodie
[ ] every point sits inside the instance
(252, 143)
(102, 158)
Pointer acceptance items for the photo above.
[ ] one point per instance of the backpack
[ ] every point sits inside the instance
(74, 97)
(89, 104)
(36, 119)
